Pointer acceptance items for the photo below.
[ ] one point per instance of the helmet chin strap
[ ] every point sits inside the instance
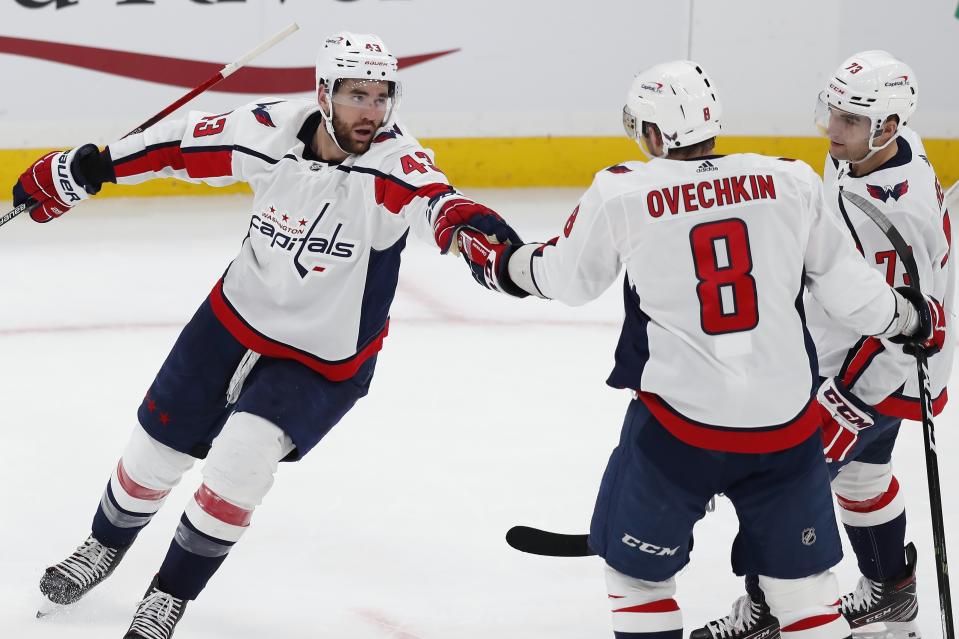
(875, 149)
(328, 123)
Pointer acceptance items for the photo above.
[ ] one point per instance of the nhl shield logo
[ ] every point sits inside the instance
(809, 537)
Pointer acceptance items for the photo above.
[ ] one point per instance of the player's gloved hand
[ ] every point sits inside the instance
(930, 336)
(842, 419)
(488, 261)
(458, 212)
(57, 182)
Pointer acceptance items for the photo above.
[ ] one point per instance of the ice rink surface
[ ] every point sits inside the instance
(484, 412)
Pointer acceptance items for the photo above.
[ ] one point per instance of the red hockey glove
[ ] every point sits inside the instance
(931, 334)
(843, 417)
(457, 212)
(57, 183)
(488, 261)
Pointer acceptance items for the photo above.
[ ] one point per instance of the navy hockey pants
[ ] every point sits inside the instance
(657, 487)
(185, 407)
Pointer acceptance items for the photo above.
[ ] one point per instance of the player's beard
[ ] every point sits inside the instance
(344, 138)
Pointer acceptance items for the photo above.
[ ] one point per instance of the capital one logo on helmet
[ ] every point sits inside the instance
(901, 81)
(655, 87)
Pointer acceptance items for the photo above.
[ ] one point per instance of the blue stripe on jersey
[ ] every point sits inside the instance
(380, 174)
(229, 147)
(845, 218)
(632, 351)
(145, 151)
(807, 339)
(382, 274)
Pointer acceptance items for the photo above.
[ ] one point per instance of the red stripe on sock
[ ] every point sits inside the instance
(134, 489)
(663, 605)
(811, 622)
(871, 505)
(219, 508)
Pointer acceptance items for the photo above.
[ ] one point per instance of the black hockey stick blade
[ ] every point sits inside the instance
(549, 544)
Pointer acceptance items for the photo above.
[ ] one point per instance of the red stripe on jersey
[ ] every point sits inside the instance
(152, 161)
(728, 440)
(219, 508)
(135, 490)
(395, 195)
(871, 505)
(869, 349)
(333, 371)
(204, 164)
(909, 408)
(811, 622)
(663, 605)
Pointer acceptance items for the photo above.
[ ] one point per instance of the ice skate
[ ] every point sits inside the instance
(885, 610)
(157, 615)
(748, 620)
(66, 582)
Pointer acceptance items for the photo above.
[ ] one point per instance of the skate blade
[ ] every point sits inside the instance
(47, 608)
(889, 630)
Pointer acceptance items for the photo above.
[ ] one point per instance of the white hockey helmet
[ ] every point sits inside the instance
(356, 56)
(679, 98)
(873, 84)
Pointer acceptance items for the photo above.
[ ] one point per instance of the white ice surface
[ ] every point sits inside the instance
(484, 412)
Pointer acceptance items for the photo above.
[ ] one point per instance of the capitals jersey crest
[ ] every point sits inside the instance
(883, 193)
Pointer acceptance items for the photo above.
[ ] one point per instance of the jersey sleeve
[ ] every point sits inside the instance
(582, 262)
(851, 292)
(410, 188)
(216, 149)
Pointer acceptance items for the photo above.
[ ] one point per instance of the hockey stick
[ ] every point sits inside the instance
(220, 75)
(542, 542)
(928, 429)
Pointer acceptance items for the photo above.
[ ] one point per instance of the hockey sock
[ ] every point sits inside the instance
(806, 607)
(879, 548)
(643, 609)
(877, 532)
(126, 507)
(208, 529)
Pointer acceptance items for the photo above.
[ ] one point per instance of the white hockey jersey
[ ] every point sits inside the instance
(317, 271)
(907, 191)
(717, 253)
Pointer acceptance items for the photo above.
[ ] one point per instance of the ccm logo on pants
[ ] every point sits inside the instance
(647, 547)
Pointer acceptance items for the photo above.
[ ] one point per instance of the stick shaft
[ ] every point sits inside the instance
(226, 71)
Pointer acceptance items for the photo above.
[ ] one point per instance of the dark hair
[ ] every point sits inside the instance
(690, 151)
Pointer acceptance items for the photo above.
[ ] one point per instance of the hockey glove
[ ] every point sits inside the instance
(458, 212)
(843, 417)
(488, 261)
(930, 336)
(60, 180)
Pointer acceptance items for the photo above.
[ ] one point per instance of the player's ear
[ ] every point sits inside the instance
(322, 98)
(654, 139)
(889, 127)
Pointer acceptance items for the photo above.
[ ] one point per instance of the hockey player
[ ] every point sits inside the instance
(287, 340)
(717, 252)
(864, 111)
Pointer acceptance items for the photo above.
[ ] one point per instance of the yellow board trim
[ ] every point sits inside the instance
(521, 162)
